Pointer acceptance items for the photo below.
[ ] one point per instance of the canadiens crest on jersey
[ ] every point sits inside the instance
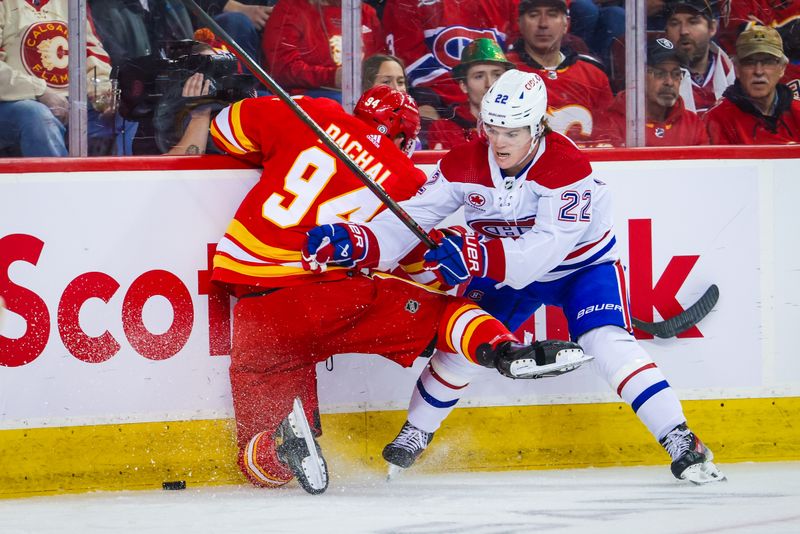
(412, 306)
(501, 228)
(448, 43)
(45, 52)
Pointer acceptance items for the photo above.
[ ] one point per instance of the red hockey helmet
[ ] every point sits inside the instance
(392, 112)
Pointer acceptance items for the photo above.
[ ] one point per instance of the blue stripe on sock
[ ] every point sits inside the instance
(433, 401)
(645, 395)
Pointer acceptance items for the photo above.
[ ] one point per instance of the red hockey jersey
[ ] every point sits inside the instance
(735, 121)
(302, 43)
(303, 185)
(578, 92)
(430, 35)
(680, 128)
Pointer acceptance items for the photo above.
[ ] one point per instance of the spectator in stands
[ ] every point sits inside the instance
(383, 69)
(578, 90)
(243, 20)
(430, 36)
(668, 122)
(756, 109)
(482, 63)
(691, 24)
(302, 45)
(597, 23)
(131, 29)
(790, 33)
(34, 82)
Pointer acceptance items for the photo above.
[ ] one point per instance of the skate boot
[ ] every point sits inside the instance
(407, 446)
(297, 448)
(541, 359)
(691, 459)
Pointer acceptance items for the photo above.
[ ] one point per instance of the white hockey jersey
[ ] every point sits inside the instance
(553, 218)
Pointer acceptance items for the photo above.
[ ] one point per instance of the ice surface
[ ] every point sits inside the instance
(757, 498)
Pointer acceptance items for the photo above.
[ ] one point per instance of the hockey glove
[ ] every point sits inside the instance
(342, 244)
(457, 258)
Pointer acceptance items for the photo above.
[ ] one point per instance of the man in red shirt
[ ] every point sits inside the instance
(691, 24)
(757, 109)
(578, 90)
(482, 62)
(669, 123)
(292, 311)
(302, 45)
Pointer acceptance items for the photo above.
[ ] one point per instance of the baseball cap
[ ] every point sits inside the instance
(661, 50)
(481, 50)
(759, 40)
(527, 5)
(707, 8)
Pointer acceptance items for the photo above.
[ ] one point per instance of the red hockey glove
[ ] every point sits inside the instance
(342, 244)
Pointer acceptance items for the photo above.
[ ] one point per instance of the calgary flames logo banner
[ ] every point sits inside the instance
(45, 52)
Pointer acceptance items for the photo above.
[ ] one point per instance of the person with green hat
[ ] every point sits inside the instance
(757, 109)
(482, 62)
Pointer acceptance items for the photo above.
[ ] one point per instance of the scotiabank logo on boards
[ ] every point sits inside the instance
(94, 284)
(38, 314)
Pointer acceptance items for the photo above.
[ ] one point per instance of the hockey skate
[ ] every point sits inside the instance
(403, 451)
(691, 459)
(297, 448)
(541, 359)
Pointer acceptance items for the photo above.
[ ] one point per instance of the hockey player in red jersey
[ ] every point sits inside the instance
(293, 313)
(430, 35)
(578, 91)
(543, 235)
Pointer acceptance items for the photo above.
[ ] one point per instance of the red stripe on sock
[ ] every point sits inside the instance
(442, 381)
(636, 372)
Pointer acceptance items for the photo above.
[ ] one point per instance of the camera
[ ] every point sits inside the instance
(151, 87)
(146, 82)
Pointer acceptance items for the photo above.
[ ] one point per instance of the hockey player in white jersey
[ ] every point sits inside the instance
(542, 234)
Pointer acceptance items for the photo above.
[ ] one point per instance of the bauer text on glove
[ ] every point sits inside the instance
(457, 258)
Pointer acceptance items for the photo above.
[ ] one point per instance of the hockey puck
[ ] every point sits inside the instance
(174, 485)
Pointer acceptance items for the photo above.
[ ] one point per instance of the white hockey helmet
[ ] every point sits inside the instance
(517, 99)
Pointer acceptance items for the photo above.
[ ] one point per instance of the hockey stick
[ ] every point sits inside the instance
(683, 321)
(265, 78)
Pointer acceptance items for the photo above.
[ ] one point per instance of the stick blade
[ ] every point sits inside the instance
(683, 321)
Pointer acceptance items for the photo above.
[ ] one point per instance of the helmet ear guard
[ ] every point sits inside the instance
(393, 113)
(516, 100)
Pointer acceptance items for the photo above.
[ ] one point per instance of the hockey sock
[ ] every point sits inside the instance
(259, 463)
(634, 376)
(438, 389)
(464, 327)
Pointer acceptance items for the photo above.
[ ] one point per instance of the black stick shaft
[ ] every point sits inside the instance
(267, 80)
